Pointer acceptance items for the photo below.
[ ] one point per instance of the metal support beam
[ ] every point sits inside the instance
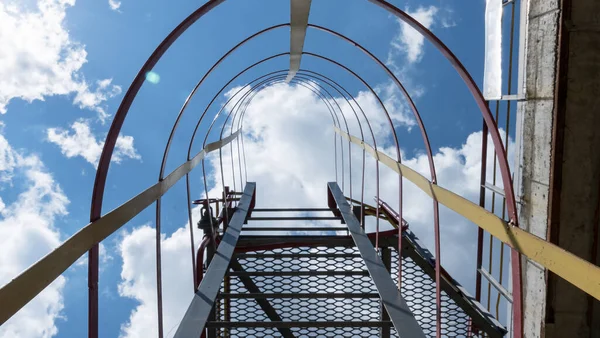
(337, 323)
(291, 209)
(295, 218)
(494, 188)
(404, 321)
(310, 240)
(299, 10)
(263, 303)
(298, 255)
(300, 273)
(271, 295)
(507, 295)
(196, 316)
(295, 228)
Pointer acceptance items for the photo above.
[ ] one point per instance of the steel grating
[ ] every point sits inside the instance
(418, 290)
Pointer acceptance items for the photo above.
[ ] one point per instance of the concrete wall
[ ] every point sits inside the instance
(575, 222)
(537, 116)
(560, 158)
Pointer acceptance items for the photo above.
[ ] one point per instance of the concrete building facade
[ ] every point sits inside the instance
(559, 174)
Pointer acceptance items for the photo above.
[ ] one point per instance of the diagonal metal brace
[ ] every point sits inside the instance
(262, 302)
(197, 314)
(403, 319)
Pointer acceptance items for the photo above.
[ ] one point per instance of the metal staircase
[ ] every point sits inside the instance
(315, 281)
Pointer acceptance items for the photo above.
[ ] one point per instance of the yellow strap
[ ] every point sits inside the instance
(18, 292)
(573, 269)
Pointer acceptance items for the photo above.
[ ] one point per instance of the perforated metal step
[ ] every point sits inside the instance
(316, 292)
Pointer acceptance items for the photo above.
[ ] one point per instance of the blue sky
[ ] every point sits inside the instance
(64, 80)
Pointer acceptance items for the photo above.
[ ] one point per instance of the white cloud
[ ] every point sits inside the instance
(291, 160)
(396, 104)
(114, 5)
(82, 142)
(124, 148)
(92, 100)
(38, 58)
(410, 42)
(8, 161)
(27, 232)
(138, 279)
(406, 50)
(448, 21)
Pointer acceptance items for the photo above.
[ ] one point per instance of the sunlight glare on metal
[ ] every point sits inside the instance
(152, 77)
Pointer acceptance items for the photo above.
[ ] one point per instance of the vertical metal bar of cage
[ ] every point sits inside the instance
(386, 258)
(484, 171)
(210, 253)
(480, 231)
(508, 113)
(232, 168)
(482, 194)
(493, 209)
(240, 161)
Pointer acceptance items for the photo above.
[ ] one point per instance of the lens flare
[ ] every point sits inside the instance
(152, 77)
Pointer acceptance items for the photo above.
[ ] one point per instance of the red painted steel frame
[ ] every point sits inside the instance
(159, 293)
(101, 174)
(498, 148)
(415, 111)
(287, 244)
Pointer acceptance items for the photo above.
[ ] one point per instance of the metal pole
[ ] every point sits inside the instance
(210, 253)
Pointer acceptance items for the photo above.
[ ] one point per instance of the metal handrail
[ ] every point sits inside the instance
(571, 268)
